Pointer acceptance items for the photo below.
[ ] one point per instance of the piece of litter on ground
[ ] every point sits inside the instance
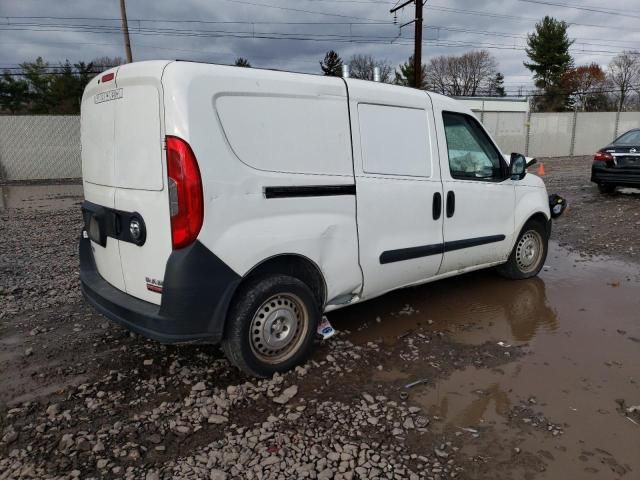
(633, 408)
(325, 330)
(417, 382)
(505, 345)
(468, 429)
(631, 420)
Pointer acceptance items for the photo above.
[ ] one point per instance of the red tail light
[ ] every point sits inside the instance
(185, 192)
(108, 77)
(602, 156)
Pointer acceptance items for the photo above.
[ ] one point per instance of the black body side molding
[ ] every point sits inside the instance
(309, 191)
(401, 254)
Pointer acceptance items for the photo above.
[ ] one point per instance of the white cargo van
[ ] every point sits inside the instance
(236, 206)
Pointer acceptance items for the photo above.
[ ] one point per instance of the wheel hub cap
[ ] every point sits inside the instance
(278, 327)
(528, 251)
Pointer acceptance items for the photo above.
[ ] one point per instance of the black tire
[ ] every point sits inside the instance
(274, 303)
(516, 267)
(606, 188)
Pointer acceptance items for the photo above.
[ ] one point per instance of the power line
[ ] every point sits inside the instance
(351, 38)
(158, 20)
(582, 40)
(521, 18)
(265, 5)
(584, 8)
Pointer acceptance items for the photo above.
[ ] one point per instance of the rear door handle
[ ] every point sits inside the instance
(451, 203)
(437, 205)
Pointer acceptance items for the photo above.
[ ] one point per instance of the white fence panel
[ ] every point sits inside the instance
(508, 129)
(628, 120)
(594, 130)
(36, 147)
(550, 134)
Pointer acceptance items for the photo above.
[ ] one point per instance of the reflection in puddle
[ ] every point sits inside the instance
(469, 397)
(511, 310)
(580, 323)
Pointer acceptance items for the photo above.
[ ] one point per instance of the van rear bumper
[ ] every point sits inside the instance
(197, 291)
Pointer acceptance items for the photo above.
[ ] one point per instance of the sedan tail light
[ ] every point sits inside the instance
(602, 156)
(185, 193)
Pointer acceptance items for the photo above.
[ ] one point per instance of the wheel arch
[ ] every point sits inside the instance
(295, 265)
(540, 218)
(535, 216)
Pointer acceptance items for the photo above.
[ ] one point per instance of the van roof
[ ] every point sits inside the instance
(444, 101)
(442, 98)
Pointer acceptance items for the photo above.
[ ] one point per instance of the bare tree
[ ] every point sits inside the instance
(469, 74)
(437, 75)
(624, 74)
(361, 66)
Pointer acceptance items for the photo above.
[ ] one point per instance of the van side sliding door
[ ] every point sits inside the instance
(399, 192)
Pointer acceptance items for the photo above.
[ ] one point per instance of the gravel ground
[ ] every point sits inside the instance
(83, 398)
(593, 223)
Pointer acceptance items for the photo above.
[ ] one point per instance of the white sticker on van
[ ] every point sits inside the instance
(108, 95)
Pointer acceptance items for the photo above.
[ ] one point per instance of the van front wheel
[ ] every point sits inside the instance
(271, 326)
(529, 253)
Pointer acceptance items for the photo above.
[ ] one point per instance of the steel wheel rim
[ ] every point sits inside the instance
(278, 328)
(529, 251)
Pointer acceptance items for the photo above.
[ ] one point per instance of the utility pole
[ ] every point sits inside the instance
(125, 31)
(417, 47)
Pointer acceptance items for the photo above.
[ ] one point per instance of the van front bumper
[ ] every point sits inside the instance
(197, 291)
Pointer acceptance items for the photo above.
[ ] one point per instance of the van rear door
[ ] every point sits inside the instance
(124, 169)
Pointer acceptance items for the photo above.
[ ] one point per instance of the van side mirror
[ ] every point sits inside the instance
(518, 166)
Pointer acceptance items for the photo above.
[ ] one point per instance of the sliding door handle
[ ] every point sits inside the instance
(437, 205)
(451, 203)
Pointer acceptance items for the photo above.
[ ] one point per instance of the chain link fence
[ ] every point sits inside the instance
(47, 147)
(39, 147)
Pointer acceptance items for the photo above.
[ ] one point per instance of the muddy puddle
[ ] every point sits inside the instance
(40, 197)
(579, 323)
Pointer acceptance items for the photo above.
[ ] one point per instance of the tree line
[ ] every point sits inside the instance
(470, 74)
(43, 88)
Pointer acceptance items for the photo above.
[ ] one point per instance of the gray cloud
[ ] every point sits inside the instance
(450, 31)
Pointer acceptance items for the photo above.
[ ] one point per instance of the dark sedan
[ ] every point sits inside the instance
(618, 164)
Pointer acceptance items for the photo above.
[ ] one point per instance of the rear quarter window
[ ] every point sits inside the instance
(288, 134)
(394, 140)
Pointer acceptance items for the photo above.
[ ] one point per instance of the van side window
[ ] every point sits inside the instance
(394, 140)
(472, 155)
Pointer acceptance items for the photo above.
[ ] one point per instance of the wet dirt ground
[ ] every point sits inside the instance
(471, 377)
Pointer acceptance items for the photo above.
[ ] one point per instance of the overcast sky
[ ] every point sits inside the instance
(365, 26)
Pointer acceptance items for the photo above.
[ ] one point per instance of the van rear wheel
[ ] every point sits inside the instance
(271, 326)
(529, 253)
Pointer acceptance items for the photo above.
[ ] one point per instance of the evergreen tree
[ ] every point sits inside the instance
(39, 80)
(331, 65)
(548, 50)
(406, 75)
(242, 62)
(14, 93)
